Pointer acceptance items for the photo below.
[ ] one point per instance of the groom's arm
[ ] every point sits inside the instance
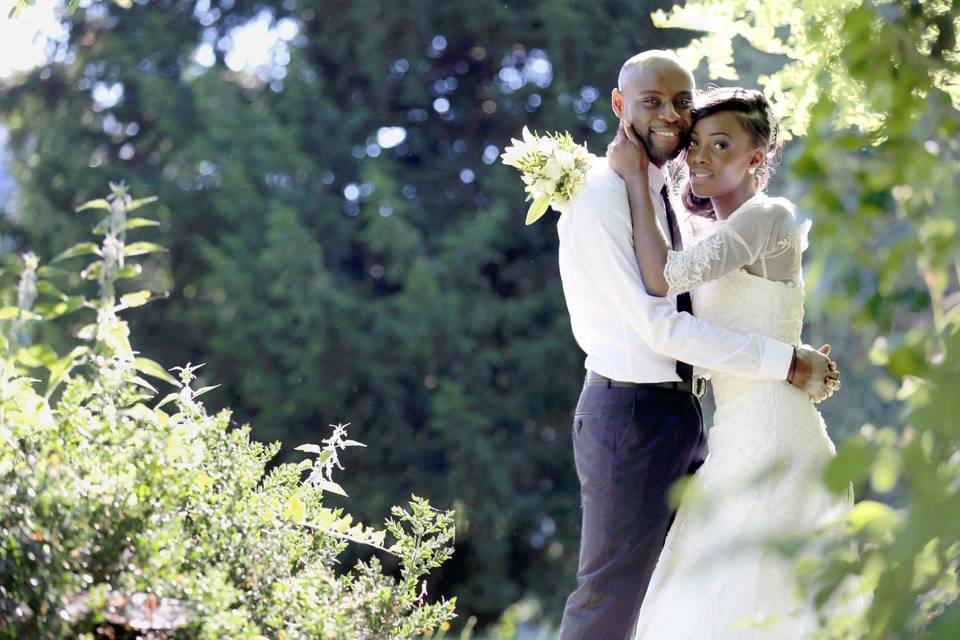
(602, 242)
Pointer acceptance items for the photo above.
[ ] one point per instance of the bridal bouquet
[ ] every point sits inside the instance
(551, 166)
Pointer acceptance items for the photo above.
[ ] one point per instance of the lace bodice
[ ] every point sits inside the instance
(748, 303)
(763, 236)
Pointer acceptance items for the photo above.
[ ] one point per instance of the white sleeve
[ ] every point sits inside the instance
(740, 241)
(602, 241)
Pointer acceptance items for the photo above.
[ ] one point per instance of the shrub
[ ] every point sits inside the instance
(124, 514)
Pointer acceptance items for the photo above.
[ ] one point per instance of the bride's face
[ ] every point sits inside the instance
(720, 154)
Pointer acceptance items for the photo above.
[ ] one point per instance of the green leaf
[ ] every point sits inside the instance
(38, 355)
(309, 448)
(202, 390)
(92, 270)
(139, 412)
(136, 223)
(136, 204)
(885, 471)
(926, 565)
(129, 271)
(51, 310)
(8, 313)
(851, 464)
(170, 397)
(80, 249)
(87, 332)
(332, 487)
(99, 203)
(151, 368)
(296, 511)
(136, 299)
(142, 248)
(132, 223)
(326, 518)
(60, 368)
(537, 209)
(137, 380)
(102, 226)
(875, 518)
(49, 289)
(47, 271)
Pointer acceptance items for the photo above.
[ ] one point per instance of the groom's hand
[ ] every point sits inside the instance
(627, 155)
(814, 372)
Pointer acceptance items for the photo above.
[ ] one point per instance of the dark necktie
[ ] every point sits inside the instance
(684, 370)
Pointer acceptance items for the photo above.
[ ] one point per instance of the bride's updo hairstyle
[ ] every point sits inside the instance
(753, 112)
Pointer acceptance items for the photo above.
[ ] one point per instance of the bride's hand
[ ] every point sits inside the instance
(816, 373)
(627, 155)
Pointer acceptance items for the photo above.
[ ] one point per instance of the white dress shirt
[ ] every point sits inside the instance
(627, 334)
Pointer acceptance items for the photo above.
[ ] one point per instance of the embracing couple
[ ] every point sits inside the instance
(669, 278)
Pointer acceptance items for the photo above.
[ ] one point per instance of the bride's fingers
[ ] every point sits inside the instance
(630, 133)
(617, 140)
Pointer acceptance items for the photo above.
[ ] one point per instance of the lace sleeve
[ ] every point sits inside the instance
(751, 233)
(795, 239)
(687, 269)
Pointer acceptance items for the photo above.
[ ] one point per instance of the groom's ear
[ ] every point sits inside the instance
(616, 101)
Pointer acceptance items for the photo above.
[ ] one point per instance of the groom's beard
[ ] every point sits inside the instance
(660, 156)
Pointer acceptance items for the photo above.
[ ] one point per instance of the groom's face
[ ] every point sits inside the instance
(656, 99)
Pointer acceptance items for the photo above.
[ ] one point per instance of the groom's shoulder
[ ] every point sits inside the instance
(600, 182)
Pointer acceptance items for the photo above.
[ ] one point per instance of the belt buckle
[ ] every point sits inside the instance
(699, 387)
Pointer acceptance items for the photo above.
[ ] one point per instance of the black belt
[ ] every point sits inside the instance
(696, 387)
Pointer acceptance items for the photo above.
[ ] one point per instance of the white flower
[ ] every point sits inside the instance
(553, 167)
(566, 160)
(511, 155)
(542, 187)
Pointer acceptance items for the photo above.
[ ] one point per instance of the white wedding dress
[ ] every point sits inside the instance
(716, 578)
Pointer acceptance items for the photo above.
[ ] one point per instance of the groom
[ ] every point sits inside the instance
(638, 428)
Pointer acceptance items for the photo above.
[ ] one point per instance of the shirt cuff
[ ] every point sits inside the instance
(775, 363)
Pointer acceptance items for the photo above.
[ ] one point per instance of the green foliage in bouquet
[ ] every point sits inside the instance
(128, 514)
(873, 91)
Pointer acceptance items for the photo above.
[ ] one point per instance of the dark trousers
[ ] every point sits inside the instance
(630, 445)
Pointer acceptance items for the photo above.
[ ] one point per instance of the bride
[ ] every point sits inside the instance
(718, 578)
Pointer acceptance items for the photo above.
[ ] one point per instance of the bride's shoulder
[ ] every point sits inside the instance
(776, 208)
(788, 227)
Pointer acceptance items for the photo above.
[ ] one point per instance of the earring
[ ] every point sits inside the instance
(752, 171)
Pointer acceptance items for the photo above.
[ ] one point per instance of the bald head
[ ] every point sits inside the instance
(656, 60)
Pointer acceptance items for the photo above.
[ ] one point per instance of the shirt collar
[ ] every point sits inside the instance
(656, 177)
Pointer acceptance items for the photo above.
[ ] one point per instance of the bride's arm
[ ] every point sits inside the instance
(630, 161)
